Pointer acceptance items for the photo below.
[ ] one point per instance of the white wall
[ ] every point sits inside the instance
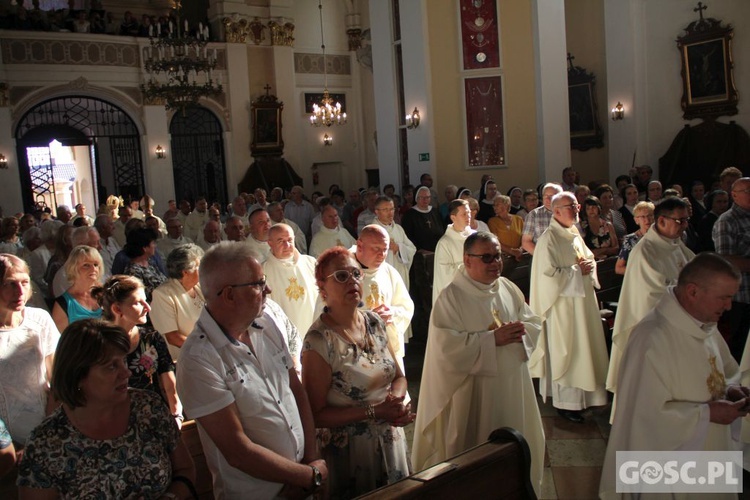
(643, 71)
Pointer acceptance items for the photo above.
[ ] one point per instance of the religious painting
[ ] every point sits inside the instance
(708, 88)
(585, 131)
(485, 133)
(266, 114)
(479, 34)
(316, 97)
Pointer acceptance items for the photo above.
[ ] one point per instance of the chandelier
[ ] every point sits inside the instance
(180, 65)
(327, 112)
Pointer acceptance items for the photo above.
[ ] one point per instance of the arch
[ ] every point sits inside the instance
(112, 135)
(197, 146)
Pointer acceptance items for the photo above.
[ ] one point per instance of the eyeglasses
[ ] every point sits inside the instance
(261, 284)
(649, 217)
(679, 222)
(746, 190)
(487, 258)
(343, 275)
(574, 206)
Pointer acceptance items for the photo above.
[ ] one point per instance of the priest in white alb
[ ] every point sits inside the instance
(653, 265)
(331, 234)
(475, 376)
(449, 253)
(571, 356)
(260, 224)
(291, 277)
(400, 250)
(679, 386)
(383, 290)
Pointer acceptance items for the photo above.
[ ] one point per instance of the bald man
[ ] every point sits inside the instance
(260, 224)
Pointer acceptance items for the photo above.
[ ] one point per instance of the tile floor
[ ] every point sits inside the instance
(575, 452)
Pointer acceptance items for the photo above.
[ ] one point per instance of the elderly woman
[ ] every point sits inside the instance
(355, 386)
(644, 216)
(106, 440)
(28, 338)
(606, 196)
(177, 303)
(476, 225)
(83, 269)
(123, 302)
(507, 227)
(598, 234)
(140, 248)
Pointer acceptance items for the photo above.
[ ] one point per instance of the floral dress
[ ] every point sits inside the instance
(150, 276)
(363, 455)
(627, 245)
(135, 465)
(150, 359)
(598, 240)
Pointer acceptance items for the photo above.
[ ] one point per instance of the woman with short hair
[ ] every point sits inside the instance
(176, 304)
(644, 216)
(598, 234)
(83, 270)
(106, 440)
(140, 248)
(507, 227)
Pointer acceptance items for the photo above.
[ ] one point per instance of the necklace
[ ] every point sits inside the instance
(364, 348)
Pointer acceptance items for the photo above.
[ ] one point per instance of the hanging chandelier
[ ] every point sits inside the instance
(179, 64)
(326, 112)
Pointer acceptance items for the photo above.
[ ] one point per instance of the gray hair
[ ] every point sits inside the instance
(80, 235)
(31, 234)
(217, 260)
(49, 230)
(182, 259)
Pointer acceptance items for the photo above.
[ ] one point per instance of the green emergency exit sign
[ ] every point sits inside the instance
(424, 156)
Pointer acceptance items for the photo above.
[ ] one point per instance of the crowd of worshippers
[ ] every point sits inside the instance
(281, 324)
(95, 19)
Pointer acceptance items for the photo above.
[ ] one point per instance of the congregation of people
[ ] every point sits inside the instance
(280, 324)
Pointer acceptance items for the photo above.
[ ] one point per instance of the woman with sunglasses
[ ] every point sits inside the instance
(356, 388)
(123, 302)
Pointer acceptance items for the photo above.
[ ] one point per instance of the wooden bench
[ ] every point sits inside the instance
(203, 480)
(499, 468)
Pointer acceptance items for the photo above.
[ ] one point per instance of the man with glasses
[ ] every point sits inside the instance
(731, 235)
(537, 221)
(571, 356)
(237, 379)
(475, 375)
(653, 265)
(401, 250)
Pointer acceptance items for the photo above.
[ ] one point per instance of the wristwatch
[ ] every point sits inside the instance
(317, 478)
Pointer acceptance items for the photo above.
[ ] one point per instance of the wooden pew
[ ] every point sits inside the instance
(499, 468)
(203, 481)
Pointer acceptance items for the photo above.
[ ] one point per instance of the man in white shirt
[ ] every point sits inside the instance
(331, 233)
(401, 250)
(254, 420)
(173, 239)
(367, 216)
(300, 211)
(276, 213)
(292, 277)
(449, 253)
(195, 221)
(234, 229)
(260, 224)
(210, 236)
(571, 356)
(109, 247)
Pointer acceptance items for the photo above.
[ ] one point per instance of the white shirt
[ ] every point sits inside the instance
(216, 371)
(172, 309)
(108, 252)
(23, 374)
(328, 238)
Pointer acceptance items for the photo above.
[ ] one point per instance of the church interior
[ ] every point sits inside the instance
(458, 89)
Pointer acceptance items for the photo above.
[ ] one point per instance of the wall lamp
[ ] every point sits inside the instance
(327, 140)
(160, 153)
(412, 120)
(3, 162)
(618, 112)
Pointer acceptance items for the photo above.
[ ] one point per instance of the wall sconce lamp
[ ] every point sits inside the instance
(412, 120)
(327, 140)
(618, 112)
(3, 162)
(160, 152)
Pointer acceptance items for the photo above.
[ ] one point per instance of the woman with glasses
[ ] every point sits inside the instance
(507, 227)
(644, 216)
(123, 302)
(356, 388)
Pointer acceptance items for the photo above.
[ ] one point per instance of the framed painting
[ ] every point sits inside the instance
(708, 88)
(585, 131)
(266, 115)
